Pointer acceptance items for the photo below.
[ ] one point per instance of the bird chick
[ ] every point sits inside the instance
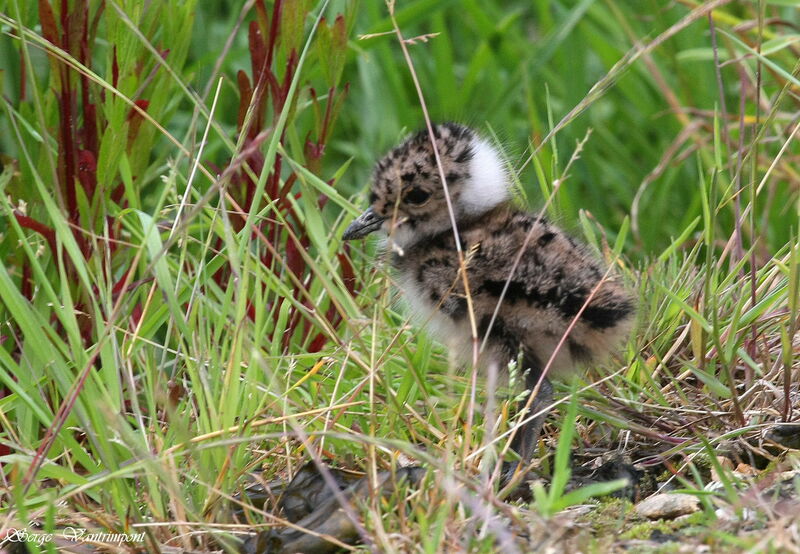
(549, 287)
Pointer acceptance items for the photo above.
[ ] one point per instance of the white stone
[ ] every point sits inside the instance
(667, 506)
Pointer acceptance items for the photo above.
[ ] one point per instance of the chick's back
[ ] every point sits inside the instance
(555, 277)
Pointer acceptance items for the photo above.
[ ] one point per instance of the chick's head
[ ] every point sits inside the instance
(408, 200)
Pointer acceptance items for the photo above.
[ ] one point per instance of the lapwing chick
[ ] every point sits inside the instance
(550, 286)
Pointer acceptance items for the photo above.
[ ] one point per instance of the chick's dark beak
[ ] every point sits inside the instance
(363, 225)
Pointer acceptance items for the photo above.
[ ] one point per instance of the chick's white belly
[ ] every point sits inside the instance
(457, 335)
(428, 315)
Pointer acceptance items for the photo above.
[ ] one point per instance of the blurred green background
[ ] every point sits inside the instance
(513, 69)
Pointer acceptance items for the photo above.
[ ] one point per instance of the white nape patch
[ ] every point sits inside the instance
(488, 184)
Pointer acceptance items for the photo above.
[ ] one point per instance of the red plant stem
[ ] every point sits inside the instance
(65, 24)
(114, 67)
(27, 285)
(323, 135)
(273, 31)
(90, 140)
(67, 149)
(39, 227)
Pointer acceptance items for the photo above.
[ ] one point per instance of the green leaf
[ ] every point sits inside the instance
(156, 252)
(332, 49)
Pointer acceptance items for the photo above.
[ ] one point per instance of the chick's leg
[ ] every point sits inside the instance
(527, 436)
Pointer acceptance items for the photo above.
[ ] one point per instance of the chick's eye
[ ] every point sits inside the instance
(416, 196)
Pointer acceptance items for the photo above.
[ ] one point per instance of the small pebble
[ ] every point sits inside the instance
(667, 506)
